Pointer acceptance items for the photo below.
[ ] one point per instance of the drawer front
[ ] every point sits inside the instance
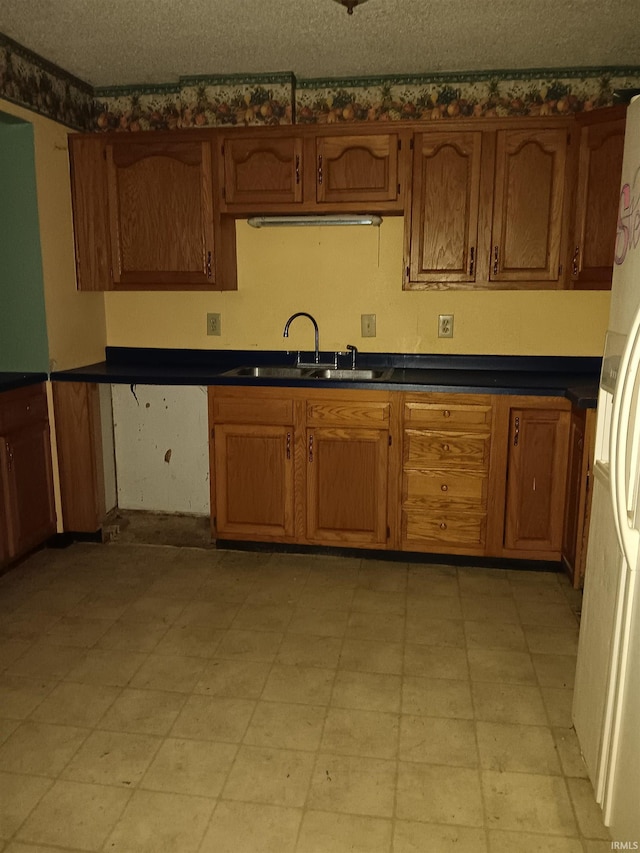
(445, 529)
(426, 449)
(350, 414)
(22, 407)
(249, 410)
(445, 489)
(448, 416)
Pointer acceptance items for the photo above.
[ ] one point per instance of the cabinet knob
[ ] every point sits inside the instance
(443, 525)
(495, 260)
(472, 259)
(288, 445)
(446, 413)
(319, 168)
(444, 487)
(297, 168)
(516, 433)
(28, 407)
(446, 448)
(576, 257)
(208, 264)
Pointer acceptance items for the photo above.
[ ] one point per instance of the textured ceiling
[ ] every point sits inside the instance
(121, 42)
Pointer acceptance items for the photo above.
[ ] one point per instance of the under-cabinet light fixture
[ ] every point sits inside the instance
(296, 220)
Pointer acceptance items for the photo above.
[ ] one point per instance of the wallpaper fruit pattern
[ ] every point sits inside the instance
(280, 99)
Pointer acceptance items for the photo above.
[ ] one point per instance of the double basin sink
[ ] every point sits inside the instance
(319, 372)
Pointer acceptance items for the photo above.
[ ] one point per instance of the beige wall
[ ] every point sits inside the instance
(75, 321)
(337, 274)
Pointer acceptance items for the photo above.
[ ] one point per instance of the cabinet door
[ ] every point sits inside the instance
(527, 228)
(262, 171)
(161, 213)
(347, 486)
(358, 168)
(90, 211)
(444, 210)
(597, 199)
(536, 479)
(254, 481)
(25, 457)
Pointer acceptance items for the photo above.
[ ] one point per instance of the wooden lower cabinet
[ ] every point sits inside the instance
(299, 465)
(538, 442)
(445, 473)
(27, 512)
(579, 491)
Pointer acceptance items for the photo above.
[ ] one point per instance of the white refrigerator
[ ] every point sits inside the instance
(606, 707)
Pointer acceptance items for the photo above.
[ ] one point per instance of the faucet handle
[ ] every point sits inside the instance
(354, 353)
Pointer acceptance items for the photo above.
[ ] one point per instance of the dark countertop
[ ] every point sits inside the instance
(10, 380)
(573, 377)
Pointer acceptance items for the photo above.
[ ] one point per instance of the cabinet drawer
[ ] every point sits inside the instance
(445, 489)
(252, 410)
(426, 449)
(448, 415)
(445, 529)
(22, 407)
(350, 414)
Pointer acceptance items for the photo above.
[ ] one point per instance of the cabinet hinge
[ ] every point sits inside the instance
(390, 441)
(399, 145)
(398, 189)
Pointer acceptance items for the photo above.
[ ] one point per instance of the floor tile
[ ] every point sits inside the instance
(369, 656)
(437, 697)
(114, 668)
(78, 631)
(20, 696)
(40, 748)
(508, 747)
(559, 703)
(11, 649)
(277, 724)
(194, 767)
(42, 660)
(434, 632)
(484, 608)
(384, 602)
(348, 731)
(7, 727)
(76, 704)
(322, 623)
(588, 813)
(249, 645)
(435, 662)
(75, 815)
(112, 758)
(308, 650)
(369, 691)
(569, 753)
(132, 637)
(383, 576)
(437, 794)
(150, 712)
(495, 635)
(328, 832)
(526, 842)
(156, 822)
(273, 776)
(555, 670)
(333, 598)
(434, 607)
(544, 639)
(509, 703)
(307, 684)
(425, 583)
(528, 803)
(168, 672)
(545, 613)
(243, 679)
(353, 784)
(19, 794)
(214, 718)
(251, 828)
(500, 665)
(413, 837)
(217, 614)
(473, 583)
(154, 609)
(263, 617)
(435, 740)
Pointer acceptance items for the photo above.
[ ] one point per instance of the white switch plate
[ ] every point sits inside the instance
(368, 325)
(445, 325)
(214, 324)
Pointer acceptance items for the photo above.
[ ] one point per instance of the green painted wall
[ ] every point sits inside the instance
(23, 327)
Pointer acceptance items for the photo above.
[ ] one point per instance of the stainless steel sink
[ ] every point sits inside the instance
(349, 374)
(266, 372)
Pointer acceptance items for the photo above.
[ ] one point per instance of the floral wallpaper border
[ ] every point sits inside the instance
(280, 99)
(30, 81)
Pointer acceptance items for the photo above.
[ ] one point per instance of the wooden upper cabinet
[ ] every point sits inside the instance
(261, 170)
(597, 197)
(161, 212)
(529, 192)
(445, 205)
(144, 213)
(359, 168)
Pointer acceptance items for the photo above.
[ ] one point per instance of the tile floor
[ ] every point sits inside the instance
(170, 700)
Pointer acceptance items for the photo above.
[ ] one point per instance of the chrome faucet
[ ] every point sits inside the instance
(285, 334)
(354, 354)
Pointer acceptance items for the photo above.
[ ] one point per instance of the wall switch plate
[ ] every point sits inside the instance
(368, 325)
(214, 326)
(445, 325)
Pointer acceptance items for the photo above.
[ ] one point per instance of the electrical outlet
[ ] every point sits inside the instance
(368, 325)
(214, 326)
(445, 325)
